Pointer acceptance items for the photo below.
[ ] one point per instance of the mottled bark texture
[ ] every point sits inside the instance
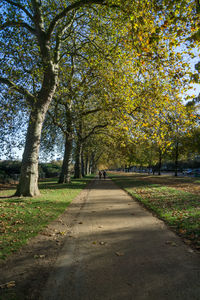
(65, 175)
(176, 158)
(77, 166)
(28, 183)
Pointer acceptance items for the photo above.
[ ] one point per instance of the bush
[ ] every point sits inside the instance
(9, 170)
(50, 169)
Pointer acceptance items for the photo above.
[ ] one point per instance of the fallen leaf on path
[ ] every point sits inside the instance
(39, 256)
(188, 242)
(129, 283)
(119, 253)
(61, 232)
(8, 285)
(102, 243)
(80, 223)
(190, 251)
(100, 226)
(171, 243)
(133, 214)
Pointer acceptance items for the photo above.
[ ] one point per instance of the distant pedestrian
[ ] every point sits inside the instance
(100, 174)
(104, 174)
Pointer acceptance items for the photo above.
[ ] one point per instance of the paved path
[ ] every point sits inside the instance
(118, 251)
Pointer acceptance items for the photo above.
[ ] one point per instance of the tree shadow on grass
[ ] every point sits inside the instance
(74, 184)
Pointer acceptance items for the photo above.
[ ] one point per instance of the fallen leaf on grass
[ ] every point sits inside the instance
(9, 284)
(94, 243)
(119, 253)
(188, 242)
(182, 231)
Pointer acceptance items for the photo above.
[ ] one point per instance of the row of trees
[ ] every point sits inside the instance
(90, 74)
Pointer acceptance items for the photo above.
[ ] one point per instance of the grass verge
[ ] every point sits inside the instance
(178, 208)
(23, 218)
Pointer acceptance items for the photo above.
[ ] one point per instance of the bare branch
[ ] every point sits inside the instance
(17, 24)
(19, 89)
(20, 7)
(56, 122)
(93, 131)
(58, 39)
(65, 11)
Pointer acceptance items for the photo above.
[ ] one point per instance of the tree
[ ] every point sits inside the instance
(34, 36)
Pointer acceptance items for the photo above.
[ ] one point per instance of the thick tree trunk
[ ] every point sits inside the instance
(77, 166)
(82, 165)
(160, 163)
(28, 183)
(64, 175)
(176, 158)
(86, 165)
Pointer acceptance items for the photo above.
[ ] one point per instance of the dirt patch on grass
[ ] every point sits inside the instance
(23, 274)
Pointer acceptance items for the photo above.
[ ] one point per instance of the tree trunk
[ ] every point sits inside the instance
(28, 183)
(64, 175)
(86, 165)
(77, 166)
(160, 163)
(82, 165)
(176, 158)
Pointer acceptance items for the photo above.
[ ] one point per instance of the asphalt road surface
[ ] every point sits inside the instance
(117, 250)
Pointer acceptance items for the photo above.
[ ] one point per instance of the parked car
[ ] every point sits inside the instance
(187, 171)
(192, 172)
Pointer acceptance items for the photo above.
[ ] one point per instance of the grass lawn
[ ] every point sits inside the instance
(174, 200)
(23, 218)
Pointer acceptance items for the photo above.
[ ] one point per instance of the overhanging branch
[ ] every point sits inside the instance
(93, 131)
(17, 24)
(20, 7)
(65, 11)
(19, 89)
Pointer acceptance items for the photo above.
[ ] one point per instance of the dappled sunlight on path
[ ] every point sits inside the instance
(118, 250)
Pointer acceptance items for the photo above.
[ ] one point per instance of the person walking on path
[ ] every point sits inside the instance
(104, 174)
(100, 174)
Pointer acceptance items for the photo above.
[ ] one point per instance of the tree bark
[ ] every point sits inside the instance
(28, 183)
(160, 162)
(86, 165)
(64, 175)
(82, 165)
(176, 158)
(77, 166)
